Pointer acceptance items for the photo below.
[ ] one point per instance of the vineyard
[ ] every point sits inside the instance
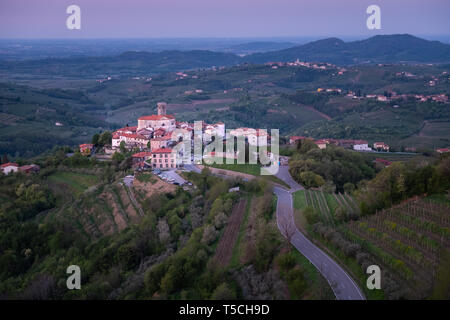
(329, 207)
(408, 238)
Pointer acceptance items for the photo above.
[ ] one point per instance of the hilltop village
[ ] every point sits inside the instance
(153, 138)
(154, 146)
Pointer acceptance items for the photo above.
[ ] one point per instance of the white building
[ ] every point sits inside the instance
(361, 145)
(9, 167)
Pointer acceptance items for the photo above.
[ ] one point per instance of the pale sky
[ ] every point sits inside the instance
(220, 18)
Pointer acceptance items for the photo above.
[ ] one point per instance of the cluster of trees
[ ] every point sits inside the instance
(102, 139)
(402, 180)
(332, 167)
(26, 196)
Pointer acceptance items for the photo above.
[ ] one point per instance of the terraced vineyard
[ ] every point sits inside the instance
(408, 238)
(326, 204)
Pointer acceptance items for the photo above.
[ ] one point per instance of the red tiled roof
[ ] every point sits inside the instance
(132, 129)
(163, 138)
(116, 136)
(320, 141)
(443, 150)
(9, 164)
(133, 135)
(86, 145)
(156, 117)
(162, 150)
(142, 154)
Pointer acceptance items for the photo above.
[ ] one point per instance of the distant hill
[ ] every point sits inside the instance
(377, 49)
(127, 63)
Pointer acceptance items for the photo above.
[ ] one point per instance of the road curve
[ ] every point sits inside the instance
(341, 283)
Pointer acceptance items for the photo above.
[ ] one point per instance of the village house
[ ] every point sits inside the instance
(443, 150)
(163, 158)
(254, 137)
(160, 142)
(140, 157)
(9, 167)
(127, 130)
(86, 148)
(322, 144)
(380, 146)
(30, 168)
(361, 145)
(159, 133)
(131, 140)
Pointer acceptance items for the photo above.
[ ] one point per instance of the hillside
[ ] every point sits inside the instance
(377, 49)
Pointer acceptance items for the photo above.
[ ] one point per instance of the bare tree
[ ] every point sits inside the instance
(287, 230)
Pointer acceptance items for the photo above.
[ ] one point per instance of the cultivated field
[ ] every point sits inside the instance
(326, 205)
(224, 250)
(409, 238)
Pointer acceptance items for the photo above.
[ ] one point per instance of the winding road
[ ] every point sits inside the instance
(341, 283)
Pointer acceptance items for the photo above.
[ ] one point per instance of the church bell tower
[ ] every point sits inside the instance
(162, 106)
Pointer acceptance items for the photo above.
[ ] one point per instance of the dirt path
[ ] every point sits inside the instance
(224, 249)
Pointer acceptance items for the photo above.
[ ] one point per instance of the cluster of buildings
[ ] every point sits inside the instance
(153, 137)
(357, 145)
(312, 65)
(9, 167)
(441, 98)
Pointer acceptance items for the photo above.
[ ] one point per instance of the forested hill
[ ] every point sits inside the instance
(377, 49)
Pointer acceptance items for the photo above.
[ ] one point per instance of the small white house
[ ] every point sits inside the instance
(9, 167)
(362, 146)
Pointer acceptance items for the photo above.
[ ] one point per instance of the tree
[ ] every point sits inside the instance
(5, 158)
(105, 138)
(95, 139)
(123, 147)
(223, 292)
(287, 230)
(349, 187)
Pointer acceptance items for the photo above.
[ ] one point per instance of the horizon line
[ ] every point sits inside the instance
(226, 37)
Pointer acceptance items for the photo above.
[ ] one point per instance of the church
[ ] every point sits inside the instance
(161, 120)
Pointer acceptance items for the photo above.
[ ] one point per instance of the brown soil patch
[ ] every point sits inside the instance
(118, 215)
(149, 188)
(224, 249)
(128, 206)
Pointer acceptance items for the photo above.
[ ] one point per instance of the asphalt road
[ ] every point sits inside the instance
(341, 283)
(173, 175)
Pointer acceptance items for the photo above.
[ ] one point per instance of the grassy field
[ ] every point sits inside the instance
(75, 182)
(252, 169)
